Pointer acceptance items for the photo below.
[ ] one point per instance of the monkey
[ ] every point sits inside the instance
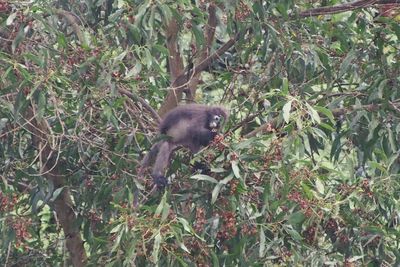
(192, 126)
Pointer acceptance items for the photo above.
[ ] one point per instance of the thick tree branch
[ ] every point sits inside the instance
(63, 204)
(175, 64)
(209, 35)
(175, 61)
(343, 7)
(181, 82)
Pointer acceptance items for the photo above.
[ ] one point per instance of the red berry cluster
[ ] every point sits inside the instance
(310, 234)
(233, 186)
(131, 221)
(7, 203)
(304, 204)
(200, 220)
(4, 6)
(331, 229)
(77, 57)
(242, 11)
(20, 226)
(348, 263)
(345, 189)
(343, 239)
(276, 154)
(302, 174)
(89, 183)
(249, 229)
(218, 142)
(93, 217)
(114, 177)
(371, 243)
(285, 254)
(199, 251)
(228, 229)
(366, 188)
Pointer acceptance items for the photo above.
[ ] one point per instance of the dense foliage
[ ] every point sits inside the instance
(306, 172)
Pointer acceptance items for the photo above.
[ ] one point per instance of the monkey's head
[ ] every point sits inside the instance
(216, 116)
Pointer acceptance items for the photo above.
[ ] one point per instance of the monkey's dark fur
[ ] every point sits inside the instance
(191, 126)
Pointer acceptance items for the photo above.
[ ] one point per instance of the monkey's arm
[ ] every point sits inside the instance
(202, 137)
(162, 161)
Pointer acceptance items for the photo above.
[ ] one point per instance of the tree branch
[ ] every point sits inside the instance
(72, 21)
(336, 113)
(343, 7)
(175, 61)
(63, 204)
(142, 101)
(181, 82)
(209, 35)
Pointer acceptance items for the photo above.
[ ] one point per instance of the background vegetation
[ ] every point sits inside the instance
(306, 173)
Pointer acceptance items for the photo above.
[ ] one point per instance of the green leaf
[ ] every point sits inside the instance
(56, 193)
(262, 251)
(320, 186)
(235, 168)
(116, 228)
(166, 12)
(11, 18)
(347, 62)
(41, 104)
(296, 218)
(163, 208)
(293, 233)
(217, 188)
(185, 225)
(156, 248)
(325, 112)
(198, 34)
(120, 57)
(285, 86)
(133, 72)
(286, 111)
(306, 143)
(18, 39)
(202, 177)
(215, 192)
(215, 260)
(313, 113)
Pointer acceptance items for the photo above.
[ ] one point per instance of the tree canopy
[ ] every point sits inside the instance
(305, 172)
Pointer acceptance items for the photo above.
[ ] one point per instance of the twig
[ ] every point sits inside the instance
(142, 101)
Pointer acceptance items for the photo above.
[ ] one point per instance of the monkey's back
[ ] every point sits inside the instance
(178, 121)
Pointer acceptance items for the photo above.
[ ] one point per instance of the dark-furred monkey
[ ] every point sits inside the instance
(192, 126)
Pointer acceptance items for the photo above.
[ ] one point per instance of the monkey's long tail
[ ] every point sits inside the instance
(146, 161)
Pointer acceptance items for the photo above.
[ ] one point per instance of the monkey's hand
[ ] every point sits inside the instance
(160, 181)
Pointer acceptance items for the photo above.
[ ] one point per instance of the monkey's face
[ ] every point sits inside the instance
(215, 121)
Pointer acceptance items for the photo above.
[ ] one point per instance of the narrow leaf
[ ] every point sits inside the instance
(202, 177)
(286, 111)
(313, 113)
(156, 248)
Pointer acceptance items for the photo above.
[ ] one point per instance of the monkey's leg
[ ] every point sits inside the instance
(161, 164)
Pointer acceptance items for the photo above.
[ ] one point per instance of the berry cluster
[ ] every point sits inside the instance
(228, 229)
